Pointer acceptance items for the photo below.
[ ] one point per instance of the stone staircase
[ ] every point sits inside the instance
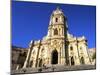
(54, 68)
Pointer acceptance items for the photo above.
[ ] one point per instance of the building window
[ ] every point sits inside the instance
(71, 48)
(56, 19)
(82, 60)
(55, 31)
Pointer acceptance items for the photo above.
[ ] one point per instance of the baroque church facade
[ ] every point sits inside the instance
(58, 47)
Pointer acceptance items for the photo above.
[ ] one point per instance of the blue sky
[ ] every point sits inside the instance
(30, 21)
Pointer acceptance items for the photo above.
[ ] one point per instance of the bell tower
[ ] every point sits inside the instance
(57, 24)
(57, 31)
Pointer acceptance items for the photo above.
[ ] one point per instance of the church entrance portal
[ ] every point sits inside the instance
(54, 57)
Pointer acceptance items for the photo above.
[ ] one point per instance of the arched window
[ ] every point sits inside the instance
(56, 19)
(71, 48)
(55, 31)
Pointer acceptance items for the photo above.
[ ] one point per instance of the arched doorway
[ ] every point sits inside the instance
(82, 60)
(40, 63)
(54, 57)
(72, 61)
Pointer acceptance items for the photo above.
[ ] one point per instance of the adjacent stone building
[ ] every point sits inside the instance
(18, 57)
(92, 55)
(58, 47)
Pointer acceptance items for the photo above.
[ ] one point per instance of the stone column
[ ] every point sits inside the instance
(63, 57)
(38, 53)
(28, 55)
(62, 53)
(70, 60)
(17, 67)
(50, 57)
(59, 55)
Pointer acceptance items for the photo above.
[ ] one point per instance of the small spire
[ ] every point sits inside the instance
(58, 8)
